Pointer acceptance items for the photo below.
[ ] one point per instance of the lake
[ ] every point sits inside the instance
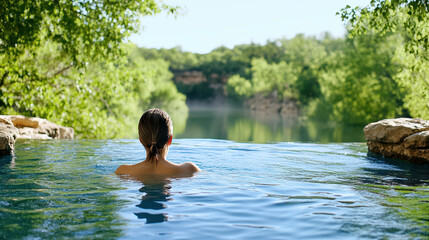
(240, 125)
(279, 180)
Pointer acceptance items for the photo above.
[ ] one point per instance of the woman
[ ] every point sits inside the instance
(156, 134)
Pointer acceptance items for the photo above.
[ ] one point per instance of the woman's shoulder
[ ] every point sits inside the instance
(123, 169)
(131, 169)
(190, 167)
(163, 168)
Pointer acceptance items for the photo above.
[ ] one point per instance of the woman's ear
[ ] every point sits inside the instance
(169, 140)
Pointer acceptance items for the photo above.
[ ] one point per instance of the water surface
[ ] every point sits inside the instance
(248, 126)
(66, 189)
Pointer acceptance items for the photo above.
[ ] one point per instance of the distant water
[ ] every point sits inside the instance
(66, 189)
(259, 127)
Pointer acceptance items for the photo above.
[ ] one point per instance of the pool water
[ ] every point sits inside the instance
(66, 189)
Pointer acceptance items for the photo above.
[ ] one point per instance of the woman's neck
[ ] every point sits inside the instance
(162, 156)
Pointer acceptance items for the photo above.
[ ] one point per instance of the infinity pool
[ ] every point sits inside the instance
(66, 189)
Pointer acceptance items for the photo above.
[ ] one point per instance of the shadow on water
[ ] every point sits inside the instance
(6, 160)
(396, 171)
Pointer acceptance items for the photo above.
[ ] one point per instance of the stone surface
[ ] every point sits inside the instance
(271, 104)
(14, 127)
(214, 85)
(8, 135)
(394, 130)
(403, 138)
(417, 140)
(189, 77)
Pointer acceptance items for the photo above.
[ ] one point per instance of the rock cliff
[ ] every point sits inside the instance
(271, 104)
(403, 138)
(14, 127)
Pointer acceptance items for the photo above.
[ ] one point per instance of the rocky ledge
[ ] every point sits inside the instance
(403, 138)
(14, 127)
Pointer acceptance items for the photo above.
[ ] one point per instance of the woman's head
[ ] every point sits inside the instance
(155, 131)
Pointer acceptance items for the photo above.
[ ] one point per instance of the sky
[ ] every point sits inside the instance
(207, 24)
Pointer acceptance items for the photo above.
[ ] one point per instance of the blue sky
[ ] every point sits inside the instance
(207, 24)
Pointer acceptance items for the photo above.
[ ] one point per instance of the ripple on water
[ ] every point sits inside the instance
(66, 189)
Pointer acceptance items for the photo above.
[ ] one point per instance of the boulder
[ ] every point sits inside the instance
(8, 135)
(403, 138)
(39, 128)
(14, 127)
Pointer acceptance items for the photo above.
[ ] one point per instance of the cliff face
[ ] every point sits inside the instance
(195, 77)
(271, 104)
(212, 89)
(189, 77)
(200, 87)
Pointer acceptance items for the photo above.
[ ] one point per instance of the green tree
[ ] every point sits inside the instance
(381, 16)
(265, 79)
(306, 54)
(67, 61)
(102, 100)
(359, 86)
(84, 29)
(411, 18)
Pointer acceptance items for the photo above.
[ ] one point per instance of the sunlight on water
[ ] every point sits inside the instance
(66, 189)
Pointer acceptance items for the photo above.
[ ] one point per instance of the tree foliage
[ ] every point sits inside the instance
(410, 18)
(354, 80)
(85, 30)
(308, 55)
(67, 61)
(102, 100)
(359, 87)
(266, 78)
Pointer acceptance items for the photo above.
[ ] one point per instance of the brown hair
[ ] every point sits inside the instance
(155, 128)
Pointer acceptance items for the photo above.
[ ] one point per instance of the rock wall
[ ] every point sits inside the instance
(271, 104)
(14, 127)
(403, 138)
(196, 76)
(189, 77)
(201, 87)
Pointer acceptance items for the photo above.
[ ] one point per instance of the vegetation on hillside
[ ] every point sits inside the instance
(353, 80)
(379, 71)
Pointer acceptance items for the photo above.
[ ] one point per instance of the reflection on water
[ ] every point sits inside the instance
(401, 186)
(246, 126)
(156, 190)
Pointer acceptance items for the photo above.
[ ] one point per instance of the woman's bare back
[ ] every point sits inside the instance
(162, 167)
